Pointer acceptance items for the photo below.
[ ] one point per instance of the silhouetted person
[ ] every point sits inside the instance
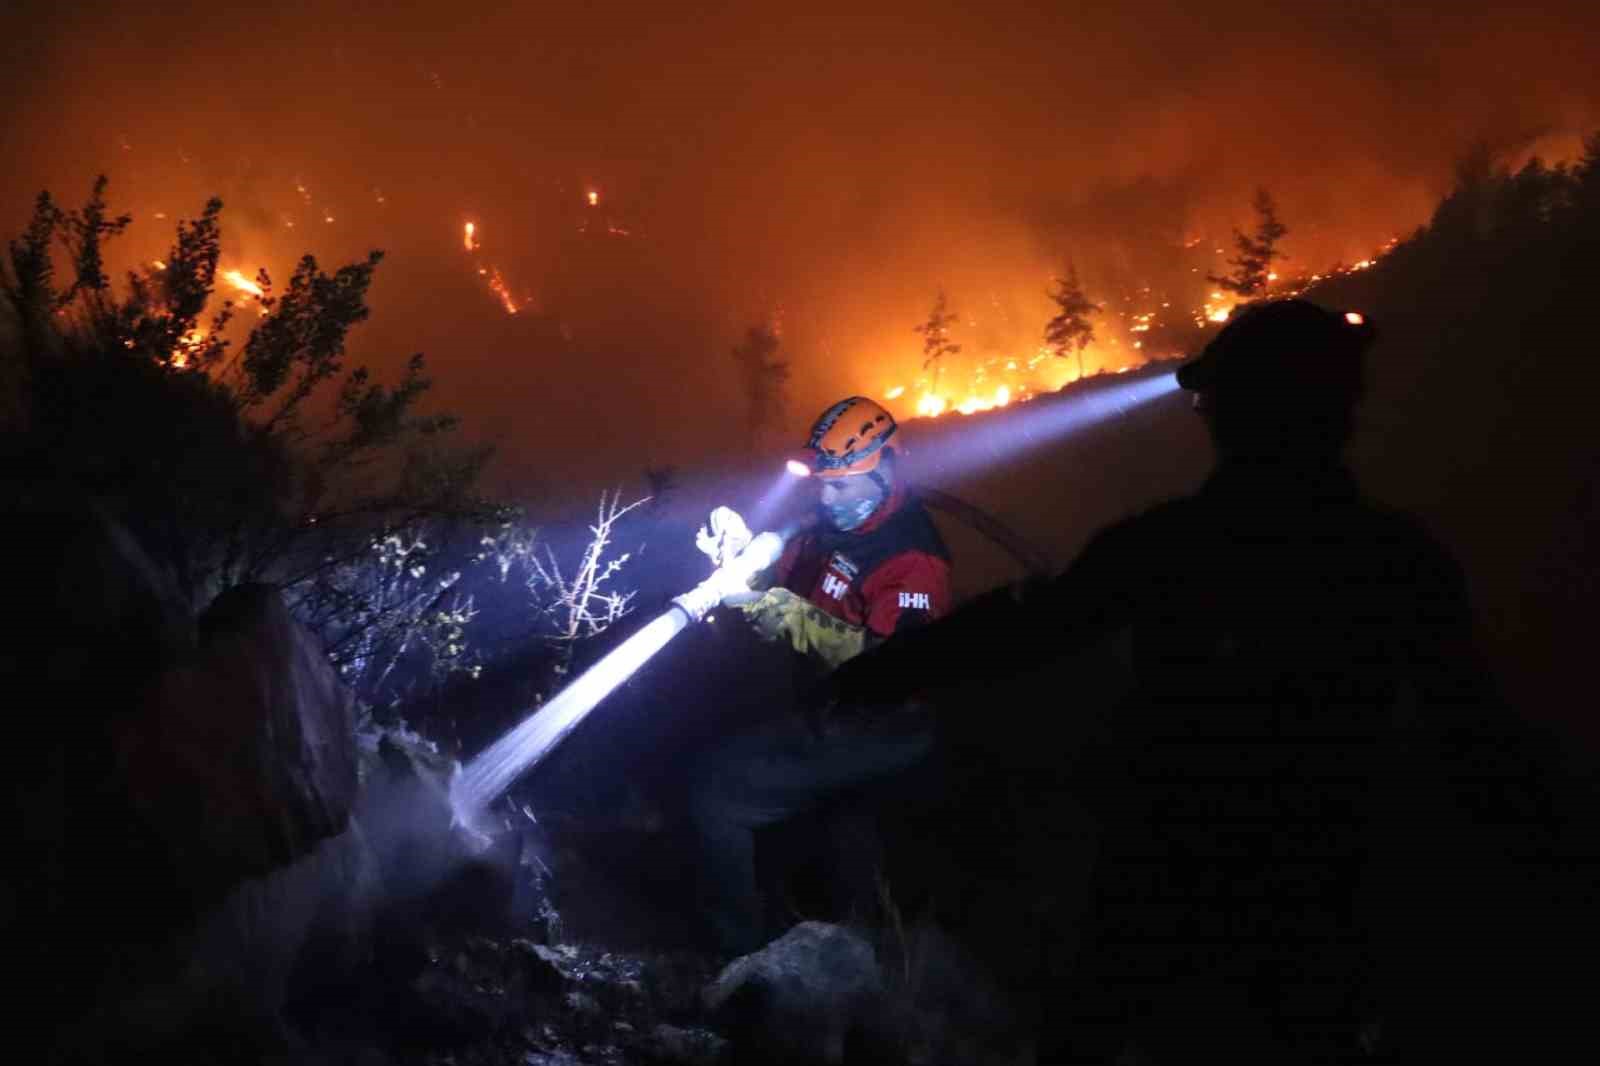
(1282, 629)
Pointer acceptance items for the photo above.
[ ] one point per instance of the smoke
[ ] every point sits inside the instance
(824, 171)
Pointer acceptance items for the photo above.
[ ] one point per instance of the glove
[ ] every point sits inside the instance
(723, 536)
(779, 614)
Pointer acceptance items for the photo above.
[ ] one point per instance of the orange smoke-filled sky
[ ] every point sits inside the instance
(830, 170)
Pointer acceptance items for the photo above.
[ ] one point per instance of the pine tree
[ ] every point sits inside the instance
(763, 379)
(1256, 253)
(1070, 329)
(935, 331)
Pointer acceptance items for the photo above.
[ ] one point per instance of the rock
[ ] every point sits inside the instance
(802, 996)
(551, 1058)
(243, 758)
(687, 1046)
(230, 972)
(541, 968)
(583, 1003)
(218, 839)
(481, 986)
(947, 1008)
(92, 620)
(100, 615)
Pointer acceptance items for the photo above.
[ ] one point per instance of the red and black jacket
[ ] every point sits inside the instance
(890, 575)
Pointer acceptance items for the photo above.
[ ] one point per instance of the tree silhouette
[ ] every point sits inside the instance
(935, 331)
(764, 380)
(1070, 330)
(1255, 252)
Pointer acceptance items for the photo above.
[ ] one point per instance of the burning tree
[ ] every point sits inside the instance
(265, 462)
(1070, 329)
(936, 343)
(1252, 265)
(764, 380)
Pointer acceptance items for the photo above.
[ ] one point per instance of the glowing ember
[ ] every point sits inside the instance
(895, 393)
(468, 240)
(158, 264)
(594, 198)
(497, 285)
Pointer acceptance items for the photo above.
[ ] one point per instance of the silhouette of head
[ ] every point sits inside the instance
(1281, 381)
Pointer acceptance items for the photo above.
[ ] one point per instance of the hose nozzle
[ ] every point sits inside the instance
(732, 577)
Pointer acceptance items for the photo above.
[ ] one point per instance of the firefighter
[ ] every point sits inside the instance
(1282, 629)
(872, 566)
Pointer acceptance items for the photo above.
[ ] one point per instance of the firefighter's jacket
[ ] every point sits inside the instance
(890, 575)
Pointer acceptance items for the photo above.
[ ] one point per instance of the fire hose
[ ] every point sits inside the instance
(494, 769)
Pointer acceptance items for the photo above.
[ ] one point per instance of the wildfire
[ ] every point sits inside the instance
(1142, 322)
(1023, 379)
(187, 345)
(497, 283)
(243, 284)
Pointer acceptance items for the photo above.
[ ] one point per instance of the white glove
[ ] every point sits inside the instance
(729, 583)
(723, 536)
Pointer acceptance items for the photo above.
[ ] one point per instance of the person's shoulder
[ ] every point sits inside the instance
(1396, 526)
(912, 529)
(1409, 545)
(1154, 523)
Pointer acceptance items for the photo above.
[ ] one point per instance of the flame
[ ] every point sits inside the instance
(996, 382)
(158, 264)
(594, 198)
(243, 284)
(497, 285)
(187, 345)
(975, 402)
(1123, 333)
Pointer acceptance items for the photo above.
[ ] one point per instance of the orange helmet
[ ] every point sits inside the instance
(848, 438)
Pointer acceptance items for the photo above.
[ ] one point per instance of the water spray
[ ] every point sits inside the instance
(494, 769)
